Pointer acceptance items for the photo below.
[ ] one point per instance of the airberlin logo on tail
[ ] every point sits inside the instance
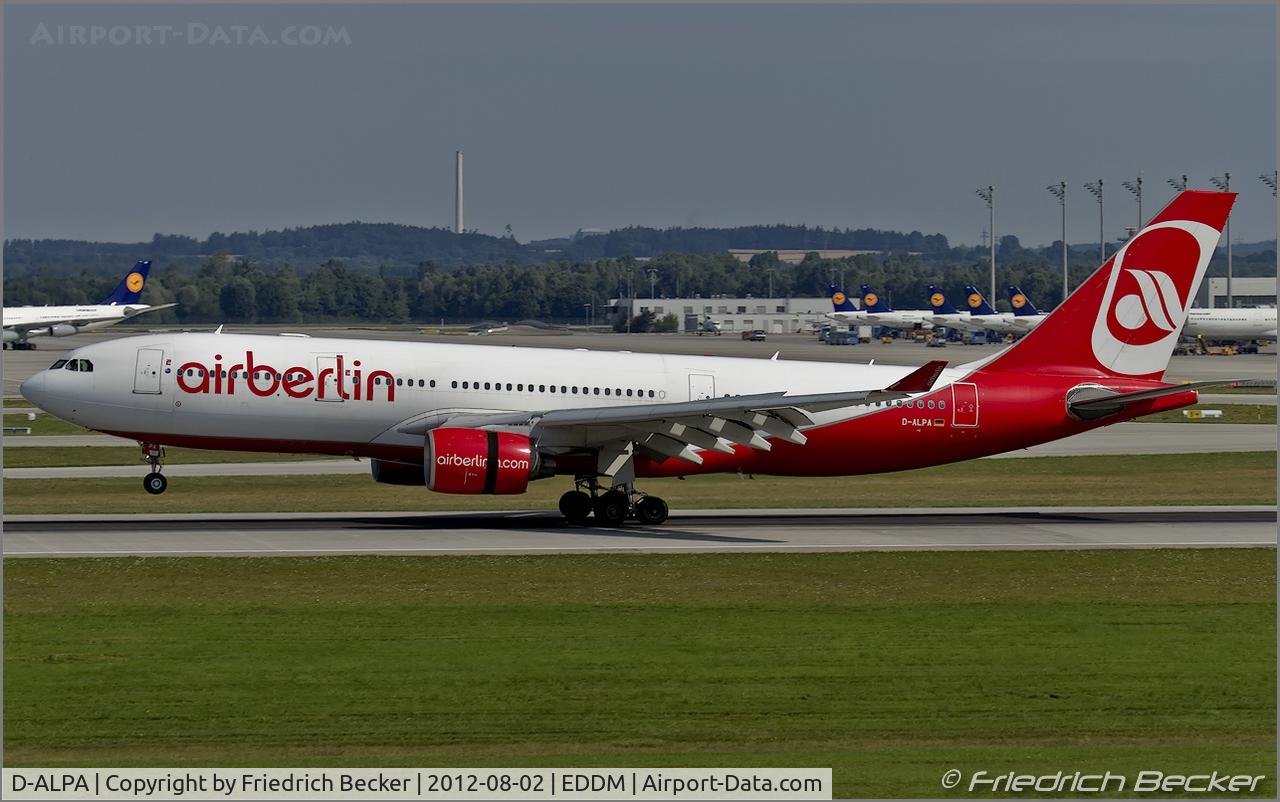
(339, 381)
(1147, 295)
(1147, 311)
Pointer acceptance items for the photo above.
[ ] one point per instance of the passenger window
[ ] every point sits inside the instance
(617, 391)
(519, 387)
(455, 385)
(651, 393)
(606, 391)
(565, 390)
(942, 405)
(930, 405)
(486, 385)
(400, 382)
(466, 386)
(628, 393)
(508, 387)
(596, 390)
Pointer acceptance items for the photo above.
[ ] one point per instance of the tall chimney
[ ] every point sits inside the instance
(457, 206)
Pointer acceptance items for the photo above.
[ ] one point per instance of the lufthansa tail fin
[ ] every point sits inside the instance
(872, 302)
(1125, 318)
(977, 304)
(1022, 306)
(839, 300)
(129, 290)
(939, 304)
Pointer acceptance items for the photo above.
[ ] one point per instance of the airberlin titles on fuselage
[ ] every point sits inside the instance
(330, 383)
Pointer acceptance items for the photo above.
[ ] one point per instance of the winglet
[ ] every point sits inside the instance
(919, 380)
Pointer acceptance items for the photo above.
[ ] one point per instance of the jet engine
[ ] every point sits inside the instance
(10, 335)
(63, 330)
(476, 461)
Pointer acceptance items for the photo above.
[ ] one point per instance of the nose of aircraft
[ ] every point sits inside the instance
(33, 388)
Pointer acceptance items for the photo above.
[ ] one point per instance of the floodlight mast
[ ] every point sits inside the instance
(1135, 187)
(1059, 191)
(1095, 189)
(1224, 184)
(988, 194)
(1269, 180)
(1179, 183)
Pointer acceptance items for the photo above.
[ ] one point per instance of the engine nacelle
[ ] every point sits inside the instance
(63, 330)
(478, 461)
(398, 473)
(10, 335)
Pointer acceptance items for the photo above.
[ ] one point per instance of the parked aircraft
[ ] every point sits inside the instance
(24, 322)
(876, 311)
(1231, 324)
(488, 420)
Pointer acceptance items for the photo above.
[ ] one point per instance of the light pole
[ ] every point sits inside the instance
(653, 281)
(1270, 181)
(1224, 184)
(988, 194)
(1095, 188)
(1059, 191)
(1179, 183)
(1136, 188)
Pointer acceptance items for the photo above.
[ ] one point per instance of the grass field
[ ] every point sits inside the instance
(1230, 478)
(1231, 413)
(99, 455)
(43, 425)
(888, 667)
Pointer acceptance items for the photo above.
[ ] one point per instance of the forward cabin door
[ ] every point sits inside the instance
(146, 375)
(701, 386)
(964, 404)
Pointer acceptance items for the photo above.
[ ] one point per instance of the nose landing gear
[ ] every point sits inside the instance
(154, 482)
(611, 507)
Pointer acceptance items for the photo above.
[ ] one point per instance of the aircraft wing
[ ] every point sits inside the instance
(673, 429)
(132, 311)
(1093, 403)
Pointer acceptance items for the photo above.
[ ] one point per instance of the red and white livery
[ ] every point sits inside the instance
(486, 419)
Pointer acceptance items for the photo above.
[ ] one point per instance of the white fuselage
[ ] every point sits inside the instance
(906, 320)
(358, 392)
(1231, 324)
(38, 320)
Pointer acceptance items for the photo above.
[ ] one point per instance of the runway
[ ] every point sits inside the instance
(688, 531)
(1123, 438)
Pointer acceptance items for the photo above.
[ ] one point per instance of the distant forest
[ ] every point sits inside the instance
(400, 246)
(359, 272)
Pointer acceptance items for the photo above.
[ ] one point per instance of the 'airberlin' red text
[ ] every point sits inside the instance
(333, 383)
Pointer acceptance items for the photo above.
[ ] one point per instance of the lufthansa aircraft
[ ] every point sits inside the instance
(876, 311)
(489, 419)
(23, 322)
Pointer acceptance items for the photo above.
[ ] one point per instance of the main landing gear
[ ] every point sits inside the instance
(611, 507)
(154, 482)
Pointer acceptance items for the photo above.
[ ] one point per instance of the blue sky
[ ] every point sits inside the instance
(603, 116)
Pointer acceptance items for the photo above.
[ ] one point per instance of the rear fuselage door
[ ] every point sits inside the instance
(146, 376)
(964, 404)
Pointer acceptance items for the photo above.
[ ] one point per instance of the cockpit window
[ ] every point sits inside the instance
(58, 365)
(85, 366)
(73, 364)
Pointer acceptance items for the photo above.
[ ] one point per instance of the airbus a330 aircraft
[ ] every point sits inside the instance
(1231, 324)
(24, 322)
(485, 419)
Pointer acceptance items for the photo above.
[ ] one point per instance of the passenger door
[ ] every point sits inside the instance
(964, 404)
(701, 386)
(327, 383)
(146, 375)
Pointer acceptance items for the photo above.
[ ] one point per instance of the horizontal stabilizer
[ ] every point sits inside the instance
(1091, 403)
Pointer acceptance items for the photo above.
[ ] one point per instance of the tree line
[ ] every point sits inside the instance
(239, 290)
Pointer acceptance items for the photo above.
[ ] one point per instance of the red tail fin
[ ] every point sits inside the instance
(1125, 318)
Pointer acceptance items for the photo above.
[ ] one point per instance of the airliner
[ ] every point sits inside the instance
(476, 419)
(1231, 324)
(876, 311)
(24, 322)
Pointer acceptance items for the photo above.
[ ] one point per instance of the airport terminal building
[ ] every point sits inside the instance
(1246, 292)
(773, 315)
